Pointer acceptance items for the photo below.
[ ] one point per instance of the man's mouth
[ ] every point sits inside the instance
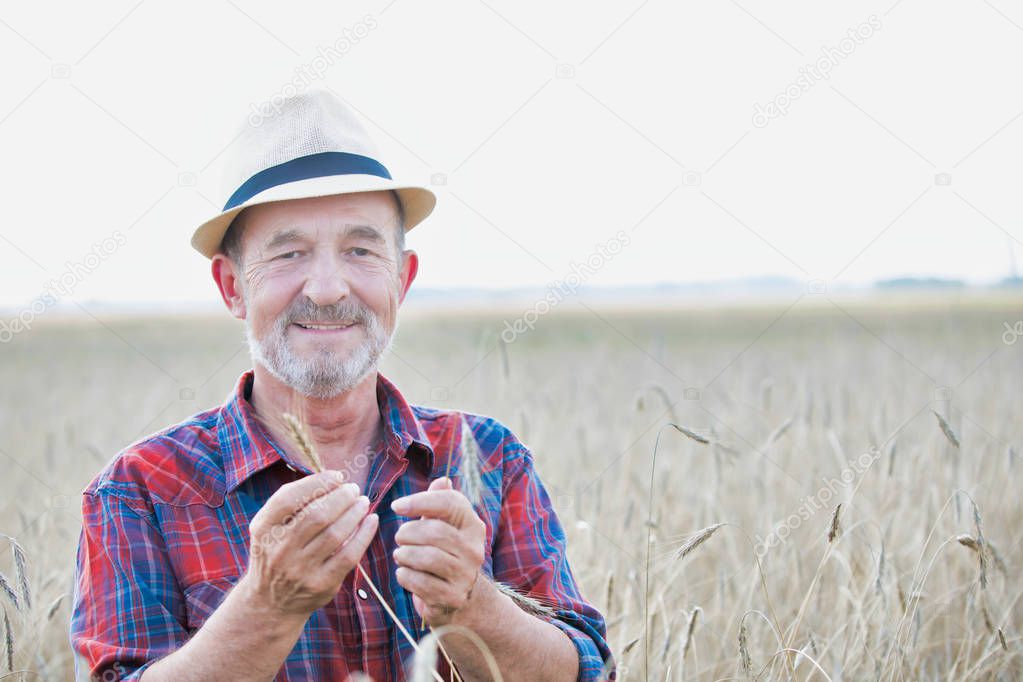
(321, 326)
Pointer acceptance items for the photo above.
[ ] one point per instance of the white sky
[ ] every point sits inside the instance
(106, 106)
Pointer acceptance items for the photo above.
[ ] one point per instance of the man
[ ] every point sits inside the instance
(212, 550)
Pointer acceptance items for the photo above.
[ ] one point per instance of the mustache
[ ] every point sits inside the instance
(306, 310)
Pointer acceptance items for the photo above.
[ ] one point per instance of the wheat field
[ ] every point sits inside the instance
(906, 412)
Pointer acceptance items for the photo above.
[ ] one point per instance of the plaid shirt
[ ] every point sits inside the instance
(165, 537)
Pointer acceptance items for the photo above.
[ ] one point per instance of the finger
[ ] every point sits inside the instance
(442, 483)
(351, 552)
(432, 532)
(331, 537)
(428, 559)
(431, 589)
(448, 505)
(291, 497)
(319, 514)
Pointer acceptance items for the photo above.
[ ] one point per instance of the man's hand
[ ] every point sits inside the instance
(439, 556)
(304, 541)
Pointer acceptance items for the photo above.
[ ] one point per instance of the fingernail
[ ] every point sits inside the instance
(399, 505)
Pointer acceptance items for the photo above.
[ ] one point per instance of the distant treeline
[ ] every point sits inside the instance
(939, 283)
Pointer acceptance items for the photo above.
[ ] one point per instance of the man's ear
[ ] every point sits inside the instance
(230, 284)
(409, 268)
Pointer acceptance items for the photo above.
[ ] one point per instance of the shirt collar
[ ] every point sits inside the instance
(247, 448)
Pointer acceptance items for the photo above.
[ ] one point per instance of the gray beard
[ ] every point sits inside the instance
(326, 374)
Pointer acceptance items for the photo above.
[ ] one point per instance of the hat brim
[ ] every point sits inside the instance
(418, 203)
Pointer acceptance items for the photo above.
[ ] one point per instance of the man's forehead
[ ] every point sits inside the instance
(335, 212)
(277, 221)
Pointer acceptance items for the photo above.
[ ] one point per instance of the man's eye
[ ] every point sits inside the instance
(359, 251)
(287, 256)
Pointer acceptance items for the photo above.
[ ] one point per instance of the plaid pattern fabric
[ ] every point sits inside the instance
(165, 537)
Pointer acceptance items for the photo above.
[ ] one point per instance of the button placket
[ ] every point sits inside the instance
(366, 607)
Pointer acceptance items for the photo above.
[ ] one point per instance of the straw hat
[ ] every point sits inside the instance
(312, 145)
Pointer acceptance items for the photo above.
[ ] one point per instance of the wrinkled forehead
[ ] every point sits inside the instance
(369, 215)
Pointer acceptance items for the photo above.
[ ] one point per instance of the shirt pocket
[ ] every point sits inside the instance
(203, 598)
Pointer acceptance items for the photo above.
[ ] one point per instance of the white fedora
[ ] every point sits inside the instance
(312, 145)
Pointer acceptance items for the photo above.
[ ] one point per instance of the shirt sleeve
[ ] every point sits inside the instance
(529, 554)
(127, 609)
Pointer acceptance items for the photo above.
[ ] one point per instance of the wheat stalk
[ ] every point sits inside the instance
(8, 642)
(427, 660)
(649, 525)
(5, 587)
(689, 433)
(532, 606)
(54, 606)
(778, 432)
(688, 641)
(470, 479)
(968, 541)
(21, 573)
(836, 529)
(981, 549)
(695, 540)
(303, 441)
(947, 429)
(744, 657)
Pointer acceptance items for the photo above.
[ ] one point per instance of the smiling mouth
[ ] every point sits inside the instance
(317, 326)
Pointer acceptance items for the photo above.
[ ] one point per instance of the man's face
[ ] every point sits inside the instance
(321, 283)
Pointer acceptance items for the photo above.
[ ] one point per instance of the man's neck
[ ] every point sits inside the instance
(342, 427)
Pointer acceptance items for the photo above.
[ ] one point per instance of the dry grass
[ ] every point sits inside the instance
(917, 582)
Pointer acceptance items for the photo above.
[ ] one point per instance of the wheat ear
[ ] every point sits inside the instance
(470, 479)
(303, 441)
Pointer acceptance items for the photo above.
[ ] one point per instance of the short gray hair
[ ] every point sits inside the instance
(231, 244)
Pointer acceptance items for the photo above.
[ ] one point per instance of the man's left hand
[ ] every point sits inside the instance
(439, 555)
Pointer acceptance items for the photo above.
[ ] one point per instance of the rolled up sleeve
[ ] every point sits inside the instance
(127, 609)
(530, 555)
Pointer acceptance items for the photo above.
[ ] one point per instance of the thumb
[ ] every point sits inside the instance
(442, 483)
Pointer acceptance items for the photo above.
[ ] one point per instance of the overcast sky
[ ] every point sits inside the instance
(842, 142)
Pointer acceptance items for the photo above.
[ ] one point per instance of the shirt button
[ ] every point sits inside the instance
(362, 593)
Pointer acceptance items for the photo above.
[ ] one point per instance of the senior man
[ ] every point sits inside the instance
(212, 550)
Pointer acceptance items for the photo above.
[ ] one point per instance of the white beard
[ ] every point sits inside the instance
(326, 374)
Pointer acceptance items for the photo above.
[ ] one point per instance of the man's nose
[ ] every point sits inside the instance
(325, 283)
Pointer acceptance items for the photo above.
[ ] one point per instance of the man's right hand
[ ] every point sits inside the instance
(303, 543)
(307, 537)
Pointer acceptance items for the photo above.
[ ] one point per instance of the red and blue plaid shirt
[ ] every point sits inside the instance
(165, 537)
